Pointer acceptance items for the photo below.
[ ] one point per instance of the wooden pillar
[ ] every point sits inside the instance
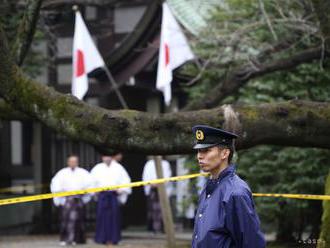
(165, 205)
(42, 175)
(154, 106)
(324, 240)
(5, 151)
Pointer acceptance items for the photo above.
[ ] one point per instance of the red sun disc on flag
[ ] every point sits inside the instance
(167, 54)
(80, 64)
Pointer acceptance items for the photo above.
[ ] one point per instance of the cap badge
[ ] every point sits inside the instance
(199, 135)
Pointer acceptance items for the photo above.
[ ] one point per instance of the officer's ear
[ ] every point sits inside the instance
(224, 152)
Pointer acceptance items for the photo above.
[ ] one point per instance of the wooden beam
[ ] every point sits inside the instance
(165, 205)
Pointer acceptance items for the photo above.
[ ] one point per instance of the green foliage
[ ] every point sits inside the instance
(35, 59)
(9, 18)
(308, 81)
(288, 170)
(11, 13)
(271, 169)
(240, 35)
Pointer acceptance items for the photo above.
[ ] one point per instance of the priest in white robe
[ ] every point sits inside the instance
(108, 219)
(154, 216)
(72, 208)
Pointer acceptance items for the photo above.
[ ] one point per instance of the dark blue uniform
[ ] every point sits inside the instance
(226, 216)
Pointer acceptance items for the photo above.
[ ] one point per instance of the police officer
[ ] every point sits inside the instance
(226, 215)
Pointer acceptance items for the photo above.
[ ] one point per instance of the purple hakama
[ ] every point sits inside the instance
(72, 227)
(154, 216)
(108, 228)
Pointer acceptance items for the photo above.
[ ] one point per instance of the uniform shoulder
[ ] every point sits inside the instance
(82, 170)
(148, 166)
(118, 166)
(116, 163)
(150, 162)
(97, 166)
(240, 187)
(165, 162)
(61, 171)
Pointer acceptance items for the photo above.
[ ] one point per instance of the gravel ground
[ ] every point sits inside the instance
(51, 241)
(131, 239)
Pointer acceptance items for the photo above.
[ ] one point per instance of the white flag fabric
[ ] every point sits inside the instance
(174, 50)
(85, 57)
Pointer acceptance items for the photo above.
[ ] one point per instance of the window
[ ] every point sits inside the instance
(16, 143)
(41, 75)
(90, 13)
(64, 47)
(64, 73)
(21, 138)
(93, 101)
(126, 18)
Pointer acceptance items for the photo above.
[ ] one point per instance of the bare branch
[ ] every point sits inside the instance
(270, 26)
(202, 68)
(26, 30)
(322, 9)
(239, 77)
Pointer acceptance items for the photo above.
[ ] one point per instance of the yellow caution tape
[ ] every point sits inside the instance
(295, 196)
(143, 183)
(95, 190)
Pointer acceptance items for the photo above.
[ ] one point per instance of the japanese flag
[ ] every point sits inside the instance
(85, 57)
(174, 50)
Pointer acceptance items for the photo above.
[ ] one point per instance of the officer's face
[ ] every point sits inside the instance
(211, 159)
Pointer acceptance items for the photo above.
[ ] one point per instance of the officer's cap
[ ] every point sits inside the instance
(207, 136)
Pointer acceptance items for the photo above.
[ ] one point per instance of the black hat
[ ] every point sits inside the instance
(209, 136)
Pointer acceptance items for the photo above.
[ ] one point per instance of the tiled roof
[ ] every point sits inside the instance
(193, 14)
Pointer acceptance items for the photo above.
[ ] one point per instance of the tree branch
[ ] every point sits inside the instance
(269, 23)
(322, 10)
(240, 76)
(295, 123)
(26, 30)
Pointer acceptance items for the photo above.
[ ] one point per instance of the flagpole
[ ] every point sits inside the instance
(75, 8)
(115, 87)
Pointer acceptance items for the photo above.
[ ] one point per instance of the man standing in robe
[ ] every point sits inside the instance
(72, 208)
(154, 215)
(226, 215)
(108, 222)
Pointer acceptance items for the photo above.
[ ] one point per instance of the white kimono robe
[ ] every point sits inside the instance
(68, 179)
(149, 173)
(114, 174)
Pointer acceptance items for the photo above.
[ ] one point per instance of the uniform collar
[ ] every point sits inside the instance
(226, 172)
(213, 183)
